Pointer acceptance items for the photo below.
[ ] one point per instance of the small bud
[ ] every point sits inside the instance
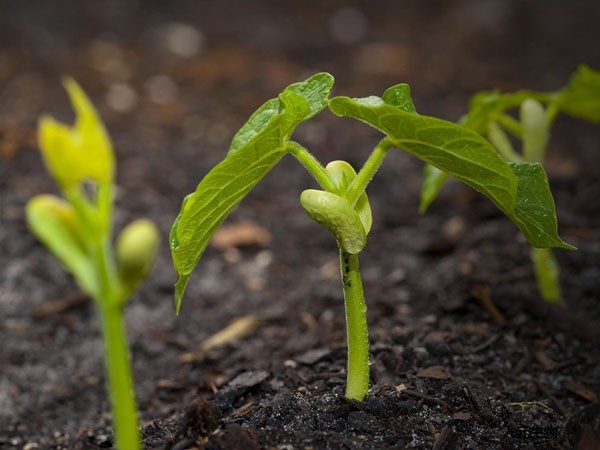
(136, 250)
(536, 128)
(342, 174)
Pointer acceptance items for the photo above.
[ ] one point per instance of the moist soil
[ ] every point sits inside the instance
(464, 354)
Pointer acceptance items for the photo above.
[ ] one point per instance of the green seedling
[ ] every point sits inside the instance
(519, 189)
(489, 115)
(77, 230)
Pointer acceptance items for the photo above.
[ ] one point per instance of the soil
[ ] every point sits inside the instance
(464, 353)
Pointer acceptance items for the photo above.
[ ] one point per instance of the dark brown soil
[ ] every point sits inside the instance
(464, 353)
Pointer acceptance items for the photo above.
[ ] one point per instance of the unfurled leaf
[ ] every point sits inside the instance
(581, 97)
(78, 153)
(466, 155)
(54, 222)
(254, 150)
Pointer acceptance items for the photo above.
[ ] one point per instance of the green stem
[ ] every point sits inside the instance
(313, 166)
(510, 124)
(500, 140)
(357, 383)
(547, 274)
(359, 184)
(120, 381)
(116, 355)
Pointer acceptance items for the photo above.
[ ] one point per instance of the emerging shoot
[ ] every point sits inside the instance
(77, 230)
(340, 205)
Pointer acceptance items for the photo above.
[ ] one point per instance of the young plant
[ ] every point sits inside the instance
(489, 116)
(520, 190)
(77, 230)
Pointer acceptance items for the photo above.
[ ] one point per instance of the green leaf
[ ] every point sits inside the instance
(449, 147)
(54, 222)
(485, 107)
(337, 215)
(581, 97)
(254, 150)
(534, 210)
(466, 155)
(433, 181)
(78, 153)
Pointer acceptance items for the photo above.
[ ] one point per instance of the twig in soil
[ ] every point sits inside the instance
(443, 438)
(57, 306)
(427, 398)
(480, 292)
(239, 328)
(486, 343)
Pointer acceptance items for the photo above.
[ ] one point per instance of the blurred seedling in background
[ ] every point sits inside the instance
(489, 116)
(77, 229)
(519, 189)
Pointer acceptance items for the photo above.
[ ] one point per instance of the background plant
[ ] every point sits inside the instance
(519, 189)
(489, 116)
(77, 229)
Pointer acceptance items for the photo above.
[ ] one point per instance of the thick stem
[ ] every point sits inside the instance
(357, 383)
(547, 274)
(313, 166)
(359, 184)
(120, 381)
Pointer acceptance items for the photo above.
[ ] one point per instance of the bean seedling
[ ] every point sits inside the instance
(519, 189)
(77, 230)
(489, 116)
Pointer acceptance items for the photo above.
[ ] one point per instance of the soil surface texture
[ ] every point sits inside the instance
(465, 355)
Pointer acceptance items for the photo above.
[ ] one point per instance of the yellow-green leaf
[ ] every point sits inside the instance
(54, 222)
(78, 153)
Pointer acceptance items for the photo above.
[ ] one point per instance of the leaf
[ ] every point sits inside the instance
(447, 146)
(581, 97)
(433, 181)
(534, 210)
(54, 222)
(337, 215)
(78, 153)
(466, 155)
(254, 150)
(485, 107)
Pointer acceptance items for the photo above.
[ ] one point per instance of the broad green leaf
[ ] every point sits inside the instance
(464, 154)
(581, 97)
(254, 150)
(54, 222)
(534, 210)
(78, 153)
